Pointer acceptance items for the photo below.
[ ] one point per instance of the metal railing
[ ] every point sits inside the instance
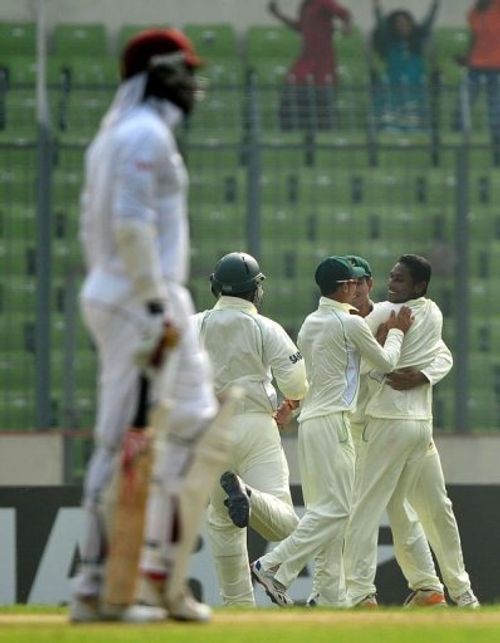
(288, 191)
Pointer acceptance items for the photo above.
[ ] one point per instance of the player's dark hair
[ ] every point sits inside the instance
(420, 269)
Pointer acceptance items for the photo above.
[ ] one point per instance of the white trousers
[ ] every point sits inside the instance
(258, 459)
(326, 460)
(410, 542)
(429, 498)
(427, 513)
(117, 333)
(388, 461)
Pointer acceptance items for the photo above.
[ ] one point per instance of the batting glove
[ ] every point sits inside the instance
(158, 336)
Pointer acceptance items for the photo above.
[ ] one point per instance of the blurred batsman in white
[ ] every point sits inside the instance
(134, 229)
(248, 350)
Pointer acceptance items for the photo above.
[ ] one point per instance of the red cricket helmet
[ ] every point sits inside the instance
(142, 47)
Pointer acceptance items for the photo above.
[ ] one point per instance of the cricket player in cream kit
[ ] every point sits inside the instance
(134, 231)
(429, 492)
(247, 350)
(396, 452)
(332, 340)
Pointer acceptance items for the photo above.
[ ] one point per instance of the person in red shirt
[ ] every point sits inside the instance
(483, 63)
(316, 64)
(315, 23)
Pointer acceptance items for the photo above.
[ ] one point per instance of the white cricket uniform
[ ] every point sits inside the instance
(134, 172)
(411, 547)
(396, 438)
(247, 349)
(332, 341)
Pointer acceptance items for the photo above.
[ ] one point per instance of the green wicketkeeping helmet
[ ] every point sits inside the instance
(236, 273)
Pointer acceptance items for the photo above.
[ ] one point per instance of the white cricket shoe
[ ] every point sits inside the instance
(182, 608)
(144, 614)
(467, 599)
(186, 608)
(273, 588)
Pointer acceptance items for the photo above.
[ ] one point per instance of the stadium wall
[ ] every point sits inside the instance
(240, 13)
(40, 529)
(31, 459)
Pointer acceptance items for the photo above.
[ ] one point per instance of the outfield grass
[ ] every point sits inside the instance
(31, 624)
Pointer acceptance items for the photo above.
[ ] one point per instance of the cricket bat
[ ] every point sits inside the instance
(127, 522)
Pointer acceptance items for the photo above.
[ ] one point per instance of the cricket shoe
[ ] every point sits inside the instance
(186, 608)
(425, 598)
(238, 501)
(85, 609)
(144, 614)
(90, 609)
(151, 598)
(467, 599)
(368, 602)
(273, 588)
(313, 600)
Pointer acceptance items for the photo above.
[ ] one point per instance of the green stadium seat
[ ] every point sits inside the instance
(17, 39)
(17, 176)
(218, 118)
(17, 222)
(20, 114)
(222, 73)
(85, 109)
(443, 408)
(80, 41)
(213, 41)
(483, 409)
(92, 71)
(16, 335)
(278, 43)
(226, 224)
(449, 42)
(17, 410)
(482, 292)
(22, 70)
(269, 71)
(350, 47)
(18, 293)
(353, 72)
(219, 188)
(67, 186)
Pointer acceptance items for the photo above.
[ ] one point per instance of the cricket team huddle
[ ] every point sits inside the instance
(359, 381)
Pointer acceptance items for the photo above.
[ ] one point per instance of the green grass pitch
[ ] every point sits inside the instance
(25, 624)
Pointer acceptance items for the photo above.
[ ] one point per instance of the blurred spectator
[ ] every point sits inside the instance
(401, 96)
(308, 98)
(483, 62)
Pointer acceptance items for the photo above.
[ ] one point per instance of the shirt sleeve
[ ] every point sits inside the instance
(440, 365)
(383, 358)
(136, 176)
(286, 362)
